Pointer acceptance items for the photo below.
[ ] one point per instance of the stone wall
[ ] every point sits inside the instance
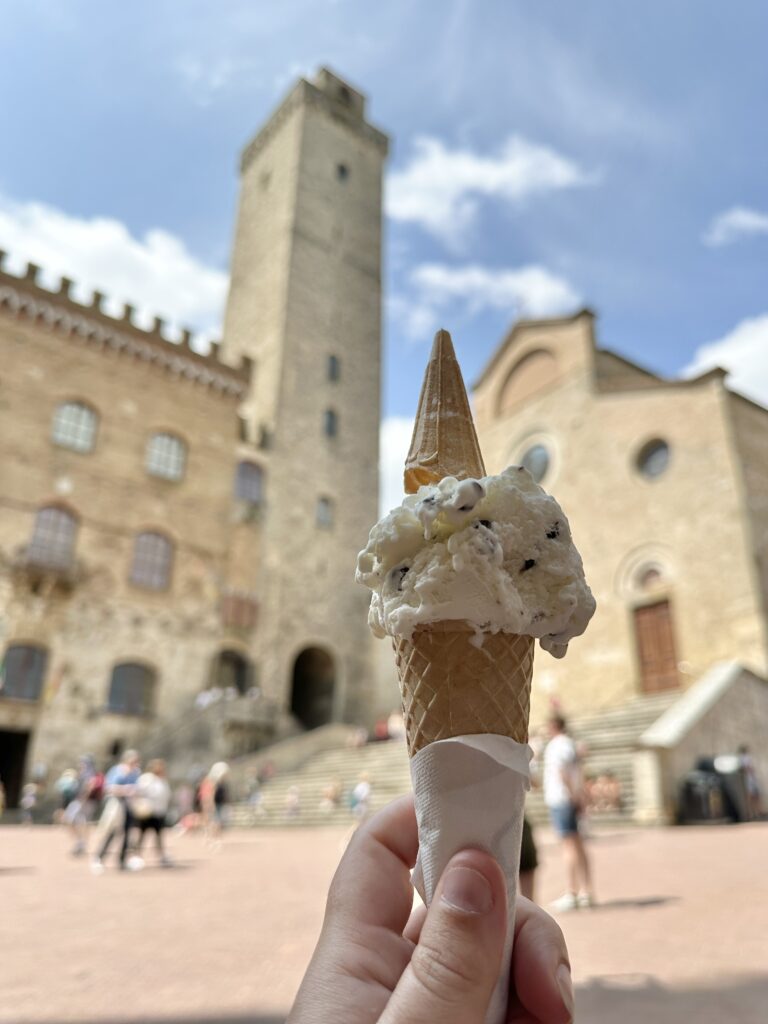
(94, 617)
(689, 523)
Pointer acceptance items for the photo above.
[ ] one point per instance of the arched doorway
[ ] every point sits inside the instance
(312, 690)
(232, 670)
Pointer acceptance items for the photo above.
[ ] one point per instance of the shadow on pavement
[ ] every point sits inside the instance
(640, 903)
(638, 999)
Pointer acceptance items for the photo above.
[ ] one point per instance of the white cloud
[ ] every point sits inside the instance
(436, 289)
(744, 353)
(394, 442)
(155, 273)
(734, 224)
(439, 188)
(206, 79)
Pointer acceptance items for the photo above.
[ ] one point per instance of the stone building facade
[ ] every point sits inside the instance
(665, 484)
(171, 521)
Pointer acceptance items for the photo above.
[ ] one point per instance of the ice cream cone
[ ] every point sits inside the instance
(444, 441)
(453, 686)
(452, 682)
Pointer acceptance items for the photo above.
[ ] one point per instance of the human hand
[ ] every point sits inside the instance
(377, 961)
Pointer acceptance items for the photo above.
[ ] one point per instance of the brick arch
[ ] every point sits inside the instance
(532, 372)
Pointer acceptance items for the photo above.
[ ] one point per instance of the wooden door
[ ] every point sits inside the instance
(656, 647)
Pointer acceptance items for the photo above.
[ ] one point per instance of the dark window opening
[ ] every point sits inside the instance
(232, 671)
(330, 423)
(342, 172)
(23, 672)
(334, 368)
(131, 689)
(249, 483)
(653, 458)
(324, 513)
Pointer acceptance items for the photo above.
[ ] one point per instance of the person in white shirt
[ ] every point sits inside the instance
(151, 805)
(563, 795)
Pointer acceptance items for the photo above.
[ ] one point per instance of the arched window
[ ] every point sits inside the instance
(330, 423)
(334, 368)
(74, 426)
(166, 456)
(53, 538)
(23, 672)
(324, 513)
(249, 483)
(131, 689)
(152, 561)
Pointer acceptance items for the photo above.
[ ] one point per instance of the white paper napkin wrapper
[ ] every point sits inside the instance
(470, 791)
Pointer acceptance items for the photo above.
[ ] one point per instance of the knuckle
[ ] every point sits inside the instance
(443, 971)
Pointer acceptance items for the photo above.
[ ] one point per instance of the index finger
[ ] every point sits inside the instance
(372, 884)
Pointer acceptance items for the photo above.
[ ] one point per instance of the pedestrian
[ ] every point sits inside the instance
(154, 793)
(754, 797)
(116, 819)
(214, 798)
(66, 786)
(563, 795)
(293, 802)
(361, 797)
(28, 803)
(82, 808)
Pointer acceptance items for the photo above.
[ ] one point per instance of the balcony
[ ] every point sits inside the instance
(44, 569)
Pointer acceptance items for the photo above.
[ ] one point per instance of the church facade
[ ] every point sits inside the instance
(665, 484)
(171, 521)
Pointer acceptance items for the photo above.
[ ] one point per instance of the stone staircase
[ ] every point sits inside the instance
(386, 765)
(610, 738)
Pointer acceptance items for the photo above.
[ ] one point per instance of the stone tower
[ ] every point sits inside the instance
(305, 306)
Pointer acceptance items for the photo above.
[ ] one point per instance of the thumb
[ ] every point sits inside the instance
(455, 966)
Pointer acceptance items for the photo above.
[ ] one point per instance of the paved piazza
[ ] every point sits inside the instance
(681, 933)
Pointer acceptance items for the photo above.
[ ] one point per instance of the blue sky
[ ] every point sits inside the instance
(606, 154)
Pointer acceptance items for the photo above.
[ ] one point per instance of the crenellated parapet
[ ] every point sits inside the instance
(24, 298)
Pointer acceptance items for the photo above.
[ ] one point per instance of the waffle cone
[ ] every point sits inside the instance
(450, 686)
(444, 441)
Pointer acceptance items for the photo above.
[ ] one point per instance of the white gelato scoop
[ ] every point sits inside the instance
(495, 552)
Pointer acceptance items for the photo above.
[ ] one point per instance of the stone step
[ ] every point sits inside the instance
(610, 738)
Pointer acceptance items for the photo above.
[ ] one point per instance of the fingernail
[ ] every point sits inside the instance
(466, 889)
(565, 984)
